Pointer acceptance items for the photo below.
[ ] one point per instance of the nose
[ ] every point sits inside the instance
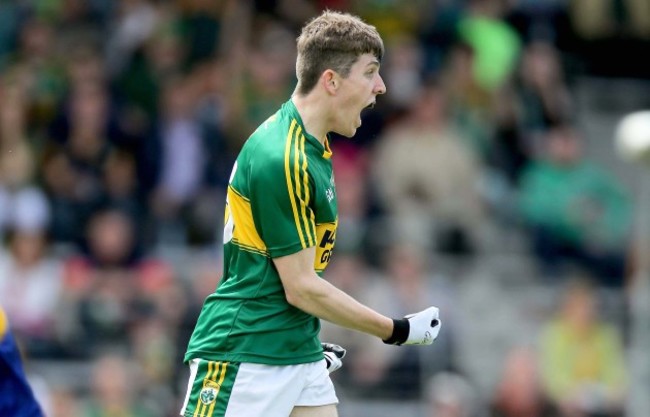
(380, 87)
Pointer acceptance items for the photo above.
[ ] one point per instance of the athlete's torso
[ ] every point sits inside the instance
(281, 199)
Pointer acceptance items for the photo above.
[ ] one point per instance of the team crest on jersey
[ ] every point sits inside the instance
(209, 392)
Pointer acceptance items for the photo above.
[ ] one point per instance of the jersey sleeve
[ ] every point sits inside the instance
(281, 195)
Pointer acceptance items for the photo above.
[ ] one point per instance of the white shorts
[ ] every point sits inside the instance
(231, 389)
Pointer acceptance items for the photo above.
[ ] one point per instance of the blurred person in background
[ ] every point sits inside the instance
(543, 94)
(80, 141)
(60, 187)
(494, 42)
(450, 394)
(31, 281)
(63, 403)
(109, 284)
(182, 155)
(520, 391)
(576, 211)
(121, 190)
(115, 389)
(404, 69)
(133, 23)
(21, 200)
(262, 74)
(428, 179)
(40, 67)
(545, 21)
(153, 352)
(17, 399)
(582, 360)
(470, 104)
(537, 99)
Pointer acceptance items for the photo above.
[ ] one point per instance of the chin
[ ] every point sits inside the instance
(351, 133)
(346, 133)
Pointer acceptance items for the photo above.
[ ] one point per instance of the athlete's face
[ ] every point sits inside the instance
(357, 92)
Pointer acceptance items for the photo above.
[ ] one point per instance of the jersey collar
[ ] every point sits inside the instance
(324, 148)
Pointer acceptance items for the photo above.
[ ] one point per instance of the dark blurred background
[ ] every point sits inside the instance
(484, 182)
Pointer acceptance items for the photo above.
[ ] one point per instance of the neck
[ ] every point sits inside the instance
(311, 112)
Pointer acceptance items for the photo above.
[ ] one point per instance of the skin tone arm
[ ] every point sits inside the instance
(305, 290)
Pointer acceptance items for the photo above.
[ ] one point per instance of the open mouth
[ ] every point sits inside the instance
(368, 107)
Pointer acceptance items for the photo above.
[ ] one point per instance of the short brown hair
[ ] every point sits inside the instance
(334, 41)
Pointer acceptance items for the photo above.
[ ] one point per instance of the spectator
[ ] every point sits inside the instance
(427, 178)
(63, 403)
(537, 99)
(583, 367)
(180, 179)
(495, 43)
(106, 289)
(469, 102)
(542, 91)
(576, 211)
(30, 289)
(114, 388)
(39, 70)
(520, 392)
(449, 394)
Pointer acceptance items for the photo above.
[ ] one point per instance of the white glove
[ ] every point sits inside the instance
(416, 329)
(333, 355)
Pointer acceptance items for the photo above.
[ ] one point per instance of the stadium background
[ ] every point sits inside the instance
(485, 182)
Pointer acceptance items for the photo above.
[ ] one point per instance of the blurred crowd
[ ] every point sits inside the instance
(119, 123)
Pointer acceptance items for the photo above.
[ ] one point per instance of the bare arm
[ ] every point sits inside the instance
(305, 290)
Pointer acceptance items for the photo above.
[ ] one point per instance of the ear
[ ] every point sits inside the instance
(330, 81)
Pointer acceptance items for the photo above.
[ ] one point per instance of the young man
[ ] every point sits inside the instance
(255, 349)
(16, 397)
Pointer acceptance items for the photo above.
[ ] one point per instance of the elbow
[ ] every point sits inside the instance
(294, 297)
(302, 297)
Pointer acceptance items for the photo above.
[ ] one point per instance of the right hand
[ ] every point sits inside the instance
(333, 356)
(424, 327)
(416, 329)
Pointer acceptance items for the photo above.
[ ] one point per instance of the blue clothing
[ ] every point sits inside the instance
(16, 396)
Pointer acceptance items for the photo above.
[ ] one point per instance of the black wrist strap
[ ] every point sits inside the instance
(401, 329)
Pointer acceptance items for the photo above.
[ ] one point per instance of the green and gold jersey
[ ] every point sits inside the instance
(281, 199)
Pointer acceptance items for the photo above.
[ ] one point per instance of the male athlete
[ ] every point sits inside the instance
(16, 397)
(255, 351)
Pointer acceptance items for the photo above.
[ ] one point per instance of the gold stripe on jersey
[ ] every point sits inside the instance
(304, 201)
(198, 409)
(249, 248)
(222, 371)
(244, 232)
(311, 226)
(287, 172)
